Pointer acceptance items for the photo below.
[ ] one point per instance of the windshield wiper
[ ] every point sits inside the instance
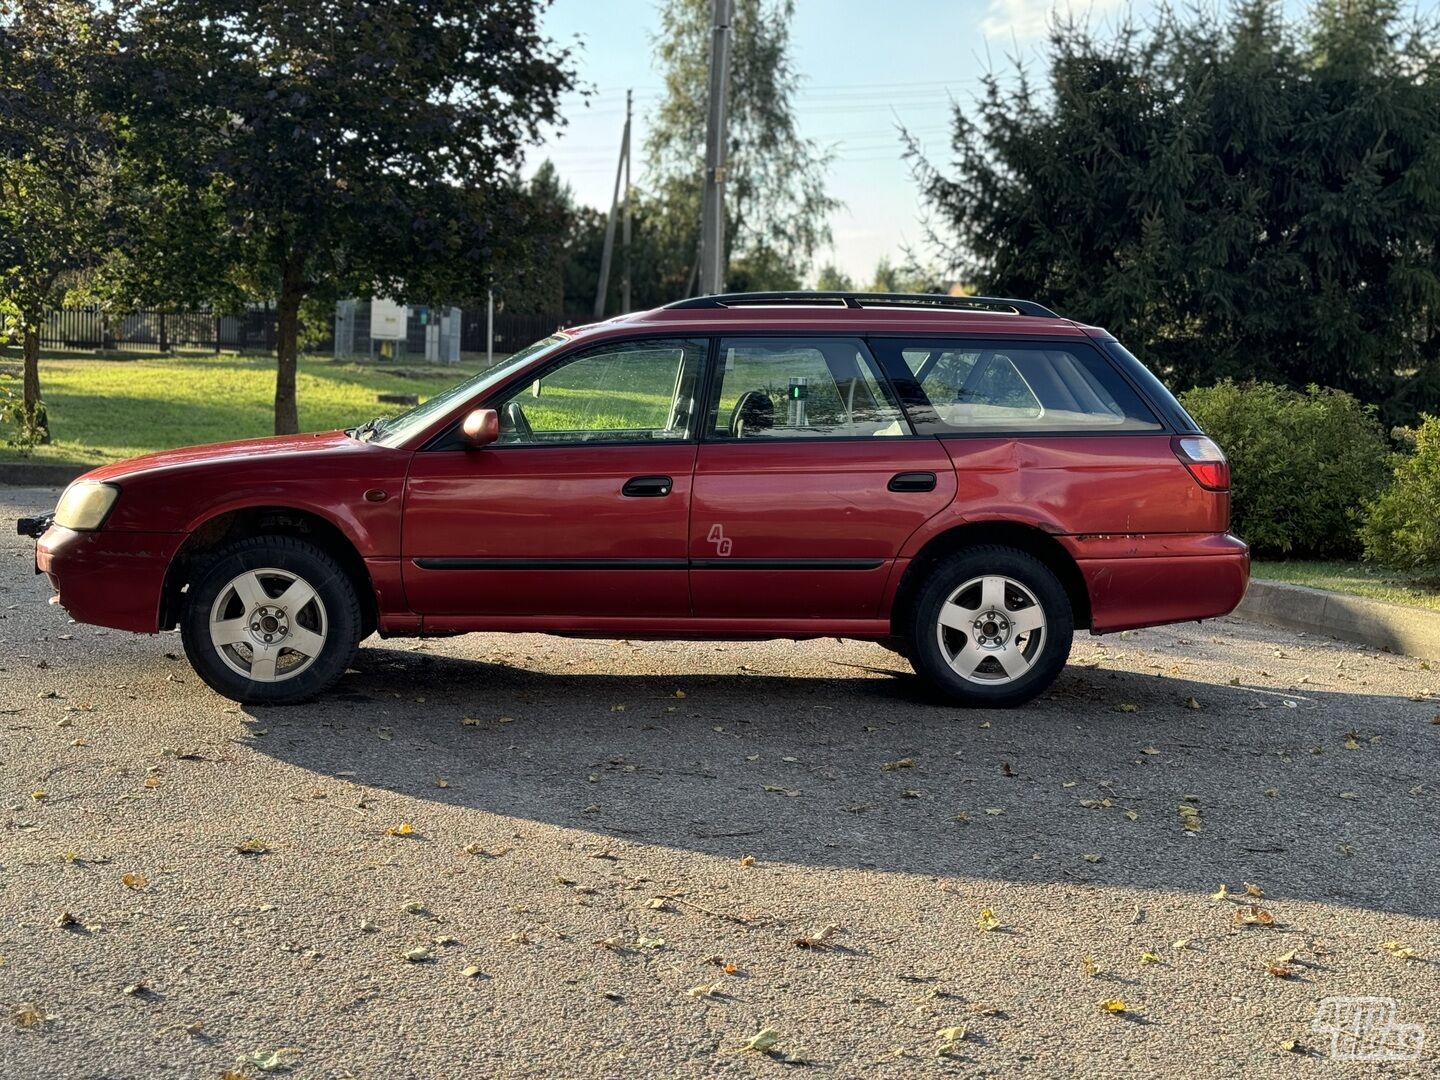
(368, 430)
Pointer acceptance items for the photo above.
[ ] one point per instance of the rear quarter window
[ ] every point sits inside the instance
(1028, 386)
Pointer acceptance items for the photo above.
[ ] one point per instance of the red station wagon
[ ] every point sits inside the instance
(967, 480)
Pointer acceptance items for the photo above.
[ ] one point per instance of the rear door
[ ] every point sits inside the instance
(580, 508)
(1046, 431)
(808, 481)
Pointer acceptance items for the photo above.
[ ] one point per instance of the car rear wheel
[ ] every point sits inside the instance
(270, 620)
(991, 626)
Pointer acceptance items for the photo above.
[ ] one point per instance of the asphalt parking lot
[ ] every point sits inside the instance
(627, 859)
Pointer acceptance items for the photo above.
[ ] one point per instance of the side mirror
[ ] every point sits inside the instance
(480, 428)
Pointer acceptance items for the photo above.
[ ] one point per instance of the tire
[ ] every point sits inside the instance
(993, 655)
(270, 620)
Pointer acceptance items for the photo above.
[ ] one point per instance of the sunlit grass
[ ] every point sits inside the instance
(106, 410)
(1357, 579)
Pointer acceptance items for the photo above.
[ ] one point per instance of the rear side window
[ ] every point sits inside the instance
(795, 388)
(1023, 386)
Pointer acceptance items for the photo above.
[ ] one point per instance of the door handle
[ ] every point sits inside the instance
(912, 481)
(647, 487)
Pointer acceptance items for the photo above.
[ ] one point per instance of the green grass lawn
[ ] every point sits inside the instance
(1358, 579)
(106, 410)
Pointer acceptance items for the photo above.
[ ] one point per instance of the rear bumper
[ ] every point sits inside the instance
(110, 579)
(1137, 581)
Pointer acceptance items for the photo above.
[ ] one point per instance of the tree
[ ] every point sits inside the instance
(908, 278)
(775, 202)
(536, 283)
(1234, 195)
(832, 279)
(56, 167)
(355, 146)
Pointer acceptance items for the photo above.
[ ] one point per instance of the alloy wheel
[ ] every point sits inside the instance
(268, 625)
(991, 630)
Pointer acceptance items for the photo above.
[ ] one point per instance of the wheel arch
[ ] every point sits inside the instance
(1013, 534)
(234, 524)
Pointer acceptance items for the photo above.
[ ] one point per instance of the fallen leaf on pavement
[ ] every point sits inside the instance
(134, 880)
(28, 1015)
(1398, 949)
(763, 1040)
(950, 1040)
(274, 1061)
(818, 939)
(987, 920)
(1115, 1006)
(1253, 916)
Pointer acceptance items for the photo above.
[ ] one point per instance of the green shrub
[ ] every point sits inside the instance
(1402, 530)
(1302, 464)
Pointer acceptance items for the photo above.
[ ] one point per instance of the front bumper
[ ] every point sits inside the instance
(114, 579)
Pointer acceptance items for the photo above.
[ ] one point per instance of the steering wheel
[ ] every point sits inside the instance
(518, 422)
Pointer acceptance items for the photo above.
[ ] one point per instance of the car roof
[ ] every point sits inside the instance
(841, 313)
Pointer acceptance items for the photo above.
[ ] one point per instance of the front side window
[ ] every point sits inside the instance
(394, 432)
(782, 388)
(633, 391)
(1030, 386)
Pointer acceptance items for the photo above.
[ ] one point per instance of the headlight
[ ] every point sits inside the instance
(84, 506)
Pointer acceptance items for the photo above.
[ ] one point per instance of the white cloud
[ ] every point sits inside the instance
(1024, 19)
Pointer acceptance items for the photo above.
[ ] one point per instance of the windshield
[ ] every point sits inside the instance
(395, 431)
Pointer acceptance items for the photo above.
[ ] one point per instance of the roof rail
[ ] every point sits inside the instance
(994, 304)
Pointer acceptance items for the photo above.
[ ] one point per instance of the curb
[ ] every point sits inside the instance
(1381, 625)
(30, 474)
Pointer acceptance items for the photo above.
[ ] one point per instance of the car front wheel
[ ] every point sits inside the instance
(270, 620)
(991, 626)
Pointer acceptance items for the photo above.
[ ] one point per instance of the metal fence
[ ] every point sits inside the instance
(252, 331)
(91, 328)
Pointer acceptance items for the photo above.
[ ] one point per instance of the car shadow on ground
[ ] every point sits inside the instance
(1093, 783)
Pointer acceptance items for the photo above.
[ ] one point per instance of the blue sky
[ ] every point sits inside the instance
(866, 66)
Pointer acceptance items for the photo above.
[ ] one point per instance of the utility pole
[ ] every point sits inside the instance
(625, 229)
(712, 219)
(489, 328)
(622, 168)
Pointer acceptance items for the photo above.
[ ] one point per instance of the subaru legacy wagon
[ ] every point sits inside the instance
(966, 480)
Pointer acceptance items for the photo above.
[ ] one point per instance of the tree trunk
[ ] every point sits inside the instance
(292, 292)
(164, 336)
(35, 418)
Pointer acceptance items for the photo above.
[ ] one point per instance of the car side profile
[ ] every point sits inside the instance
(967, 480)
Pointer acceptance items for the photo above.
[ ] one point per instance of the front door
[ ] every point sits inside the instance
(808, 482)
(580, 508)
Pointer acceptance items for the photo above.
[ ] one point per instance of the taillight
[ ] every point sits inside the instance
(1204, 459)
